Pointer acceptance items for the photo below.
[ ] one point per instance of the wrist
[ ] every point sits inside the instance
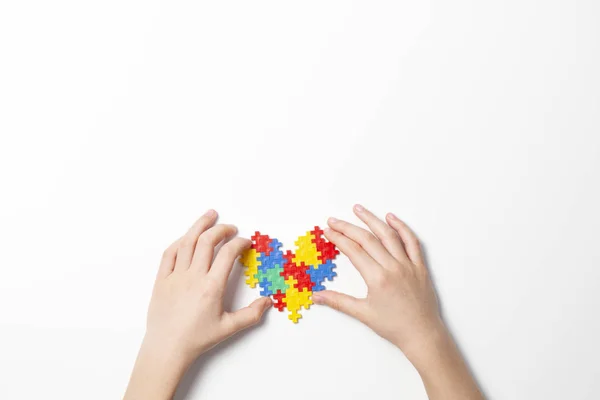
(429, 348)
(170, 353)
(442, 368)
(435, 353)
(157, 372)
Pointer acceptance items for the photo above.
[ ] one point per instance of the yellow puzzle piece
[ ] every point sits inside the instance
(292, 300)
(296, 300)
(249, 259)
(306, 251)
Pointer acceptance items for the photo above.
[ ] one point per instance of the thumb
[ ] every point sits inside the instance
(251, 315)
(349, 305)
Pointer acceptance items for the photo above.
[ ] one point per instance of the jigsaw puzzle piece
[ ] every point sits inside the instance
(290, 269)
(277, 281)
(327, 270)
(265, 263)
(265, 286)
(305, 298)
(261, 243)
(303, 278)
(328, 252)
(292, 300)
(294, 317)
(327, 249)
(317, 278)
(278, 303)
(275, 245)
(306, 250)
(250, 260)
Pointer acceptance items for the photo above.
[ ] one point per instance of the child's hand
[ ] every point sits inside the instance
(186, 311)
(186, 315)
(401, 304)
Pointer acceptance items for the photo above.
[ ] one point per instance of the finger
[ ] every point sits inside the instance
(247, 316)
(188, 242)
(388, 236)
(344, 303)
(410, 240)
(225, 259)
(167, 263)
(365, 239)
(205, 246)
(363, 262)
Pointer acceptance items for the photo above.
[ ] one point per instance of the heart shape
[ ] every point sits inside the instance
(290, 278)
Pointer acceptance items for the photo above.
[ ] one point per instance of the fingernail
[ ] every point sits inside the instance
(359, 208)
(210, 213)
(392, 216)
(327, 231)
(317, 298)
(332, 220)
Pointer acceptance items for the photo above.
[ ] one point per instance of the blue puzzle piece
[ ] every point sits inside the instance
(266, 262)
(276, 254)
(275, 245)
(266, 287)
(275, 257)
(327, 270)
(316, 277)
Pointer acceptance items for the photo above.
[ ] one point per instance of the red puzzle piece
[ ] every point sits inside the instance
(327, 249)
(279, 304)
(303, 278)
(261, 243)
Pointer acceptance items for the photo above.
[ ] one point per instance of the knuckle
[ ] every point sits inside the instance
(229, 250)
(335, 304)
(422, 271)
(211, 288)
(389, 234)
(204, 241)
(187, 242)
(402, 273)
(363, 235)
(354, 247)
(255, 318)
(380, 280)
(370, 239)
(169, 252)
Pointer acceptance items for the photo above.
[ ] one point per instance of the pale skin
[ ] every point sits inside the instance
(186, 316)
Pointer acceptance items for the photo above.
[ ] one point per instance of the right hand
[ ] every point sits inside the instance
(401, 304)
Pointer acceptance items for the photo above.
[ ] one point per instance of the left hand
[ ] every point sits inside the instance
(186, 316)
(186, 310)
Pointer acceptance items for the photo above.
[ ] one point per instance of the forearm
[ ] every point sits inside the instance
(156, 374)
(444, 371)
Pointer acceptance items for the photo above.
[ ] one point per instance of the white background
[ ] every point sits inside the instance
(477, 122)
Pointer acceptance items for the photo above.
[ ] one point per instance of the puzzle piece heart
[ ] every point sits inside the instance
(290, 278)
